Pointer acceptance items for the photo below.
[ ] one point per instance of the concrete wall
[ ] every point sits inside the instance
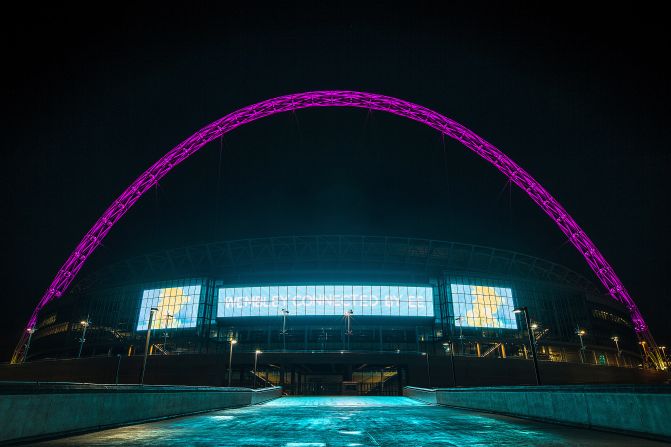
(423, 394)
(638, 410)
(211, 370)
(33, 410)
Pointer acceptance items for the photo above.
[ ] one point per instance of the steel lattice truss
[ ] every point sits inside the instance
(337, 98)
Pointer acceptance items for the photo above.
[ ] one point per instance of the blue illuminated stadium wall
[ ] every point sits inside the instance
(472, 304)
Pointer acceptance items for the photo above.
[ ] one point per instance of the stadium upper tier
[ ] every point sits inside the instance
(330, 253)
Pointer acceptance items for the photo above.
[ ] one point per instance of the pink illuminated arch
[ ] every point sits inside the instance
(337, 98)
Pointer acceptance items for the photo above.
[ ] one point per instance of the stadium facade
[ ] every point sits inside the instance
(338, 293)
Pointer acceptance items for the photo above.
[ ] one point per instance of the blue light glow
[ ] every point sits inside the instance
(370, 300)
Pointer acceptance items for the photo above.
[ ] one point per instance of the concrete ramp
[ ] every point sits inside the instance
(348, 421)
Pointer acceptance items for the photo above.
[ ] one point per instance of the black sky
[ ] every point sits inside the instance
(578, 97)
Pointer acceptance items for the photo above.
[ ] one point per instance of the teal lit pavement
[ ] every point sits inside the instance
(348, 421)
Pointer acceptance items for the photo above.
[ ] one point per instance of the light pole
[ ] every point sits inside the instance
(461, 334)
(30, 331)
(532, 343)
(165, 333)
(284, 329)
(256, 359)
(348, 316)
(533, 327)
(230, 361)
(85, 324)
(616, 339)
(581, 333)
(663, 349)
(152, 311)
(118, 366)
(428, 368)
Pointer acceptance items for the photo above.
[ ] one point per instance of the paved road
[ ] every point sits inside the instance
(348, 421)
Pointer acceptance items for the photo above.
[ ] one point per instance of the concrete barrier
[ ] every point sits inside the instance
(31, 411)
(424, 394)
(637, 410)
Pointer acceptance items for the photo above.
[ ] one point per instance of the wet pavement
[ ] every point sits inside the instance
(348, 422)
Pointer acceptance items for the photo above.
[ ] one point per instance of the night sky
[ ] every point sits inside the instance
(579, 98)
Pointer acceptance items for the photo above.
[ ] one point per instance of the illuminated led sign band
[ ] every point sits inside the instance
(177, 308)
(368, 300)
(483, 306)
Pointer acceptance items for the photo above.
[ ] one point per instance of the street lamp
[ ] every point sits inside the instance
(663, 349)
(428, 369)
(450, 345)
(230, 361)
(284, 328)
(30, 331)
(532, 343)
(165, 333)
(581, 333)
(461, 334)
(85, 324)
(348, 316)
(256, 359)
(152, 312)
(616, 339)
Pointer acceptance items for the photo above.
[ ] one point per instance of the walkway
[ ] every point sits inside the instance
(348, 421)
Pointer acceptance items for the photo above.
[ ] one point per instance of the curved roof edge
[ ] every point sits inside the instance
(331, 251)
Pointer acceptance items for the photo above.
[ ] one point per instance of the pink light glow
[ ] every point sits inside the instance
(337, 98)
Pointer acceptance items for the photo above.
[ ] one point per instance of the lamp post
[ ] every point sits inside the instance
(581, 333)
(118, 366)
(284, 328)
(348, 316)
(165, 333)
(30, 331)
(532, 342)
(230, 361)
(256, 359)
(152, 312)
(454, 375)
(461, 334)
(428, 368)
(616, 339)
(85, 324)
(663, 349)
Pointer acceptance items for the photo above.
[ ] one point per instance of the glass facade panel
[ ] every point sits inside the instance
(483, 306)
(177, 307)
(371, 300)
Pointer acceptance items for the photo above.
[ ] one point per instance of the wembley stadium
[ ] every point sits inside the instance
(319, 303)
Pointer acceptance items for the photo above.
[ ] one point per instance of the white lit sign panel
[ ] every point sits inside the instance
(369, 300)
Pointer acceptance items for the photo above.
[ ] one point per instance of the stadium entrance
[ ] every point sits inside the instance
(334, 379)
